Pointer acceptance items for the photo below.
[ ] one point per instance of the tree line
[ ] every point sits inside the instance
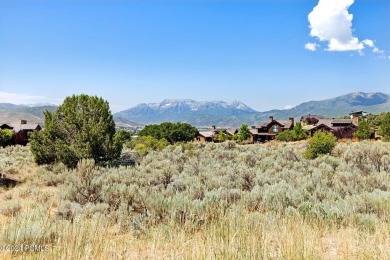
(83, 127)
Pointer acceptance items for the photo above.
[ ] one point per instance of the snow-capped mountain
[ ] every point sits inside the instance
(207, 113)
(187, 110)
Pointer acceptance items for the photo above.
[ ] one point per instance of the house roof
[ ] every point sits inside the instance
(317, 126)
(342, 121)
(253, 131)
(267, 124)
(6, 126)
(19, 127)
(206, 134)
(329, 123)
(231, 131)
(286, 123)
(262, 124)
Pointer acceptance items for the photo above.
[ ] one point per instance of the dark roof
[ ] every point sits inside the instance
(267, 124)
(6, 126)
(356, 113)
(342, 121)
(266, 134)
(330, 123)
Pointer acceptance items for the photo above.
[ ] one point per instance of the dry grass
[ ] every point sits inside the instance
(239, 235)
(236, 233)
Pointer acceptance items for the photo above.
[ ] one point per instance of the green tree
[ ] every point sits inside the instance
(292, 135)
(6, 137)
(244, 133)
(320, 143)
(285, 136)
(298, 132)
(122, 136)
(221, 137)
(172, 132)
(144, 144)
(363, 130)
(384, 128)
(82, 127)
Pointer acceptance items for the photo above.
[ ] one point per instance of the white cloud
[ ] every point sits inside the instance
(288, 107)
(369, 43)
(17, 99)
(331, 22)
(311, 46)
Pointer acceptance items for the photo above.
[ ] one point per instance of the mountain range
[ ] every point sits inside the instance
(233, 114)
(219, 113)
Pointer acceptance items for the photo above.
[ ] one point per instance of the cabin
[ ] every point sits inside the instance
(21, 130)
(267, 131)
(211, 133)
(357, 115)
(341, 128)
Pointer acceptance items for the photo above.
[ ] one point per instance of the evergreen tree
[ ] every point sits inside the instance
(82, 127)
(363, 130)
(384, 128)
(298, 133)
(221, 137)
(244, 132)
(172, 132)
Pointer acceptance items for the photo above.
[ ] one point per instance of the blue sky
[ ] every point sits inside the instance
(267, 54)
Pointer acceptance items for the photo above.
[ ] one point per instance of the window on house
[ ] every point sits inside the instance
(275, 128)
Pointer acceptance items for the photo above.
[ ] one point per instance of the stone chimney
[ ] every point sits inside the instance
(291, 119)
(23, 122)
(271, 118)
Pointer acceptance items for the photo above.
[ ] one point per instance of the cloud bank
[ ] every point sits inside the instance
(330, 22)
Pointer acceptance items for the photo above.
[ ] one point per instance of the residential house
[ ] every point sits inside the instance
(341, 128)
(355, 116)
(268, 130)
(21, 131)
(209, 135)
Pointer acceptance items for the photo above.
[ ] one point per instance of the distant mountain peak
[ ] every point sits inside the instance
(234, 113)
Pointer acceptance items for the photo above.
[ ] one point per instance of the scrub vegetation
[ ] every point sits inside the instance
(201, 201)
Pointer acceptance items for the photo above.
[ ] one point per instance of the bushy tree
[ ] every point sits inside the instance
(298, 132)
(144, 144)
(384, 128)
(222, 137)
(82, 127)
(285, 136)
(363, 130)
(292, 135)
(172, 132)
(244, 133)
(320, 143)
(6, 137)
(123, 136)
